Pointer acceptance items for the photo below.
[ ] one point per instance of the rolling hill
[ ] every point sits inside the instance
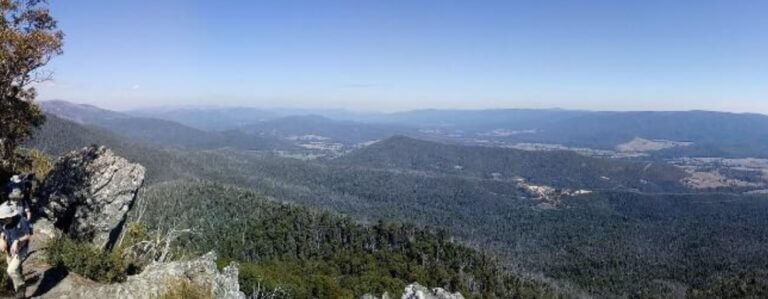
(161, 132)
(730, 133)
(345, 132)
(208, 119)
(713, 134)
(609, 243)
(556, 168)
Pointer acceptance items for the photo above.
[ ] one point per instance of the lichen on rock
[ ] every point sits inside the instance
(88, 194)
(157, 279)
(417, 291)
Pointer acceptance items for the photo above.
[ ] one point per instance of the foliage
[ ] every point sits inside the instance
(6, 285)
(86, 260)
(280, 244)
(141, 247)
(17, 118)
(608, 243)
(184, 289)
(29, 41)
(744, 284)
(36, 162)
(59, 136)
(137, 248)
(561, 169)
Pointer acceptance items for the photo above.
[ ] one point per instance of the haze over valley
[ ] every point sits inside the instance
(383, 149)
(614, 185)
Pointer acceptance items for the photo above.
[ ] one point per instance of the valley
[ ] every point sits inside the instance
(606, 226)
(383, 149)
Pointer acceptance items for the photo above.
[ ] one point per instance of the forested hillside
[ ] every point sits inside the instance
(557, 168)
(209, 118)
(345, 132)
(384, 149)
(311, 254)
(608, 243)
(58, 136)
(718, 134)
(722, 134)
(160, 132)
(706, 134)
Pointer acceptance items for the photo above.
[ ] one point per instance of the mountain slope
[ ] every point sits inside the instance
(80, 113)
(59, 136)
(346, 132)
(313, 254)
(556, 168)
(734, 134)
(609, 243)
(208, 119)
(161, 132)
(713, 133)
(477, 120)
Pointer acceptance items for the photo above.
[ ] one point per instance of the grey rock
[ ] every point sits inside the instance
(369, 296)
(156, 279)
(417, 291)
(88, 194)
(46, 230)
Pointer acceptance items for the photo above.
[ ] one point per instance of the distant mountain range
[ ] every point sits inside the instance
(714, 134)
(639, 242)
(159, 131)
(208, 119)
(609, 227)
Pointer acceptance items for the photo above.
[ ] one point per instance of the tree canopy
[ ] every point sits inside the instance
(29, 39)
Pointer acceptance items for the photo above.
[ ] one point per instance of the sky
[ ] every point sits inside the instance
(392, 55)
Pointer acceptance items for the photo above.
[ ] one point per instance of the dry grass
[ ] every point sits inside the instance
(184, 289)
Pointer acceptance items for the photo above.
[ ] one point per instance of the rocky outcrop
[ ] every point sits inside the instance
(417, 291)
(156, 280)
(88, 194)
(369, 296)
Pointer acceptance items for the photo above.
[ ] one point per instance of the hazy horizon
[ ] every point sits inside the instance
(361, 111)
(399, 55)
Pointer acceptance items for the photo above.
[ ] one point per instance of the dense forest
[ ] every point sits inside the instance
(323, 202)
(312, 254)
(562, 169)
(607, 243)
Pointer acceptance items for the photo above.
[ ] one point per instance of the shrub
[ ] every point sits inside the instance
(86, 260)
(35, 161)
(140, 246)
(6, 285)
(183, 289)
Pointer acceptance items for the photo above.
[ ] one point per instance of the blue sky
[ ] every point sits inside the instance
(397, 55)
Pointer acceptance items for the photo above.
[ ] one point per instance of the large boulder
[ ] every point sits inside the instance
(88, 194)
(156, 280)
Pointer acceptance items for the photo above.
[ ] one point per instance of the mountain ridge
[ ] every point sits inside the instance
(159, 131)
